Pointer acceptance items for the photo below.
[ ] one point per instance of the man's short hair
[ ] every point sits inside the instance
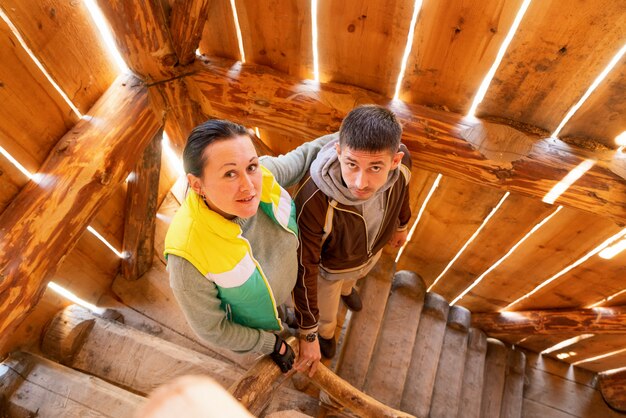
(370, 128)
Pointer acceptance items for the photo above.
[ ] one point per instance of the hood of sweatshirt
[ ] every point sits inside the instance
(326, 174)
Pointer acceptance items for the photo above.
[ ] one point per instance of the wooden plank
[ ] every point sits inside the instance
(141, 208)
(364, 327)
(606, 104)
(515, 218)
(164, 217)
(612, 388)
(44, 223)
(513, 386)
(573, 375)
(556, 321)
(80, 65)
(454, 45)
(473, 374)
(534, 409)
(142, 37)
(256, 96)
(418, 389)
(49, 389)
(454, 212)
(349, 32)
(287, 50)
(186, 24)
(590, 347)
(11, 181)
(494, 378)
(109, 221)
(538, 343)
(569, 236)
(446, 399)
(554, 391)
(546, 71)
(593, 281)
(389, 366)
(219, 37)
(34, 115)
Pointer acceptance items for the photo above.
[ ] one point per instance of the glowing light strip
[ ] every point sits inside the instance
(419, 214)
(407, 49)
(613, 250)
(613, 296)
(105, 34)
(571, 177)
(171, 155)
(505, 256)
(39, 65)
(107, 243)
(612, 353)
(238, 29)
(16, 163)
(469, 241)
(590, 90)
(69, 295)
(257, 132)
(575, 264)
(613, 371)
(566, 343)
(482, 90)
(620, 140)
(316, 63)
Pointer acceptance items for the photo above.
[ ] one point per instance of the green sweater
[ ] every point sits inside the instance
(273, 247)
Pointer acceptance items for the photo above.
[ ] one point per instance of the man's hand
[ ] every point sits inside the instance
(308, 357)
(398, 238)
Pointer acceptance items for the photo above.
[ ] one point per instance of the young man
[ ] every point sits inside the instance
(355, 200)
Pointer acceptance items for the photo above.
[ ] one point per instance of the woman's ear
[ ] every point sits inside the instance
(195, 183)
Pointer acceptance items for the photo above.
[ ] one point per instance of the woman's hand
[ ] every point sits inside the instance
(308, 357)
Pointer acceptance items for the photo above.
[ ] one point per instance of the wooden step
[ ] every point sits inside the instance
(448, 383)
(422, 371)
(494, 378)
(140, 362)
(390, 362)
(473, 375)
(34, 386)
(513, 385)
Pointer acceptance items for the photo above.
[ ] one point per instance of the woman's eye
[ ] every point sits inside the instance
(253, 167)
(230, 174)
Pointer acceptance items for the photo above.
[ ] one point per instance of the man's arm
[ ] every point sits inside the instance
(400, 235)
(289, 169)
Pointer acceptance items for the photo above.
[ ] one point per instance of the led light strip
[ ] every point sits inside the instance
(407, 49)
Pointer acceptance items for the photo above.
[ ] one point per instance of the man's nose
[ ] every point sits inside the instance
(361, 180)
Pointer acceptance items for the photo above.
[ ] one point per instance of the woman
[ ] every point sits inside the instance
(231, 247)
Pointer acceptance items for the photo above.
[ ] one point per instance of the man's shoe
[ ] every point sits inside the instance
(353, 301)
(328, 347)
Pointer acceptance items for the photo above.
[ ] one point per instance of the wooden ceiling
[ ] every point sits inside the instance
(553, 58)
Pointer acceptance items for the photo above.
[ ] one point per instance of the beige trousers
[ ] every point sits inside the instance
(330, 291)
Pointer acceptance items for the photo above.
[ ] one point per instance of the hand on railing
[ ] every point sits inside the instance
(283, 355)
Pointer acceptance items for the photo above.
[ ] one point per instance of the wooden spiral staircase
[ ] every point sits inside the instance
(410, 351)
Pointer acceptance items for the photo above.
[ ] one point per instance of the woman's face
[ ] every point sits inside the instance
(231, 178)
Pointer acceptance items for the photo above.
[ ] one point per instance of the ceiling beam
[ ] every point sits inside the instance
(466, 148)
(187, 22)
(595, 320)
(46, 219)
(613, 390)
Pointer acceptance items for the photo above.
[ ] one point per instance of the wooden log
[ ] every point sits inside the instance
(418, 388)
(549, 322)
(142, 37)
(186, 25)
(613, 389)
(513, 385)
(473, 374)
(446, 399)
(390, 362)
(257, 96)
(364, 326)
(141, 208)
(47, 389)
(46, 219)
(493, 387)
(66, 333)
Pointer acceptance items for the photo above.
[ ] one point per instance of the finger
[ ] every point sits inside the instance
(313, 368)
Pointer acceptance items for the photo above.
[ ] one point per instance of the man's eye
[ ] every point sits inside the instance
(351, 165)
(376, 169)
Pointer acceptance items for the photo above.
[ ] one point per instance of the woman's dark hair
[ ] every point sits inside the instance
(204, 135)
(370, 128)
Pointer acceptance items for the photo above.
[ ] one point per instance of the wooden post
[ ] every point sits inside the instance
(514, 385)
(558, 321)
(364, 327)
(390, 362)
(45, 220)
(494, 378)
(186, 25)
(141, 209)
(473, 374)
(418, 389)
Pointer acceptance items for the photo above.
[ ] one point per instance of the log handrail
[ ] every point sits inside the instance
(254, 390)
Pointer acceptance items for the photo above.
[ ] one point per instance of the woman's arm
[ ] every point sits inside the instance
(197, 297)
(291, 167)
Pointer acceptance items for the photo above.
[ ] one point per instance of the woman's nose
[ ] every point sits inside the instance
(246, 184)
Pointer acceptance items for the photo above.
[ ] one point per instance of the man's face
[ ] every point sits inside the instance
(365, 172)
